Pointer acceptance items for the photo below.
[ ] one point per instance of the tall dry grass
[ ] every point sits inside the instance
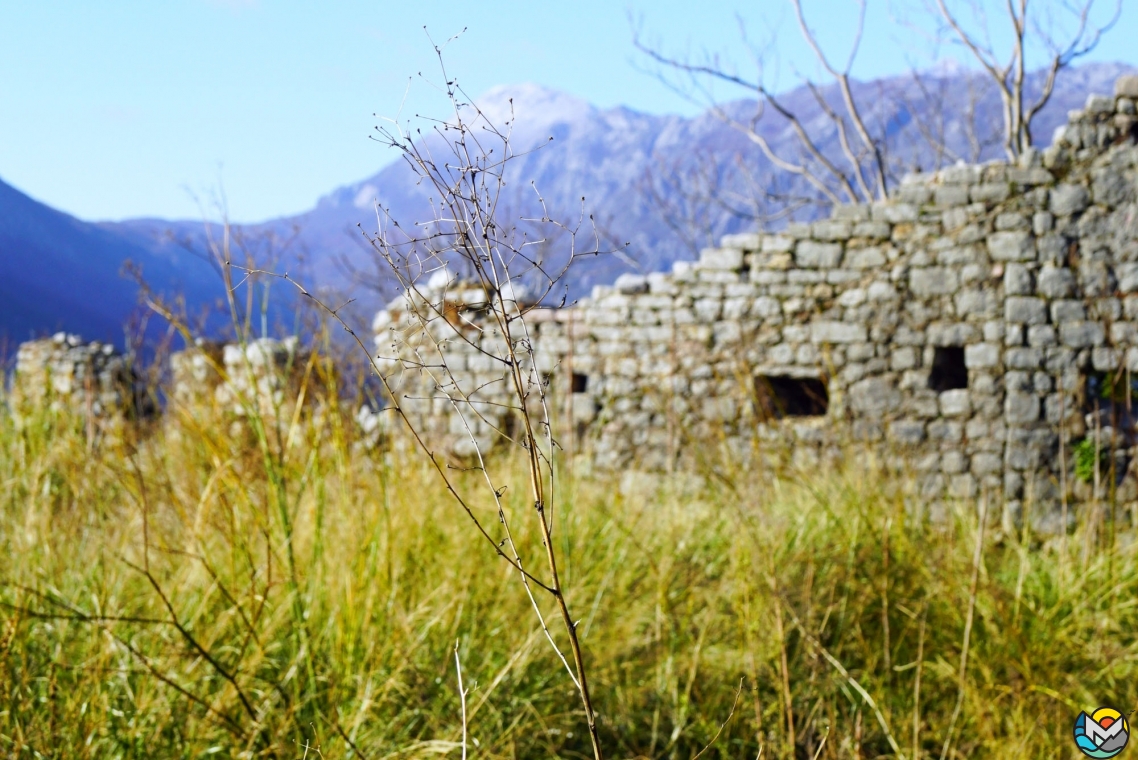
(204, 589)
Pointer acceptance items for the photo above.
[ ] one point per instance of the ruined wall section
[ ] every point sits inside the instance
(263, 375)
(955, 327)
(93, 379)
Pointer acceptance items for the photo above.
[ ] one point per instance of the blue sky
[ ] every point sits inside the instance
(120, 109)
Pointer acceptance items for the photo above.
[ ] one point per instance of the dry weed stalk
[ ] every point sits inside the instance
(462, 162)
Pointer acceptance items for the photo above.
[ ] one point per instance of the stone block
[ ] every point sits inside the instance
(1068, 311)
(1123, 333)
(881, 291)
(777, 244)
(987, 464)
(981, 355)
(933, 281)
(765, 307)
(1018, 280)
(707, 309)
(1081, 334)
(1052, 249)
(951, 195)
(1059, 282)
(747, 241)
(1023, 358)
(727, 331)
(1109, 187)
(866, 258)
(813, 255)
(1126, 86)
(1041, 335)
(1127, 277)
(783, 353)
(852, 212)
(960, 174)
(721, 258)
(907, 432)
(717, 276)
(953, 462)
(1099, 104)
(874, 396)
(872, 230)
(1069, 199)
(659, 283)
(1021, 408)
(630, 284)
(1016, 245)
(992, 192)
(806, 354)
(953, 334)
(946, 430)
(1032, 176)
(903, 358)
(1105, 359)
(1010, 220)
(894, 213)
(837, 332)
(1031, 311)
(917, 195)
(1041, 223)
(831, 230)
(962, 486)
(961, 254)
(976, 301)
(955, 403)
(852, 298)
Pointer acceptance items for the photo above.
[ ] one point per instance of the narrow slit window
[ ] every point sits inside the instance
(780, 397)
(948, 371)
(579, 383)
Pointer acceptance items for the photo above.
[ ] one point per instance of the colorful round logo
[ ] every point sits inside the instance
(1103, 733)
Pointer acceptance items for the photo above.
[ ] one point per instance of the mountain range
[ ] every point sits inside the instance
(666, 185)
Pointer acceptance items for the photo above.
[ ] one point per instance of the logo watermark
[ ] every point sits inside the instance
(1103, 733)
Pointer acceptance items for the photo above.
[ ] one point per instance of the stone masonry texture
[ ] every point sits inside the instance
(955, 327)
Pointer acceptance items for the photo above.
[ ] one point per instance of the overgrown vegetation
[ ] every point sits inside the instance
(205, 590)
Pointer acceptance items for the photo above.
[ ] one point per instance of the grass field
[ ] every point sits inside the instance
(202, 590)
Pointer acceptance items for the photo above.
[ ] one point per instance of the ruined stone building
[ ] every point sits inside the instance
(979, 327)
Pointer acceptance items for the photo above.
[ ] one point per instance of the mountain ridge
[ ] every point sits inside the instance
(615, 157)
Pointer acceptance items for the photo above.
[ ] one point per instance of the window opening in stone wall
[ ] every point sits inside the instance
(579, 383)
(780, 397)
(948, 370)
(1106, 396)
(1111, 408)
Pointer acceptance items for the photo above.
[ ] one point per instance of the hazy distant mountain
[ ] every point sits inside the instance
(611, 156)
(52, 266)
(59, 273)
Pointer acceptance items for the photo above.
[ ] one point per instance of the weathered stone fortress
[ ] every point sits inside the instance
(967, 325)
(979, 328)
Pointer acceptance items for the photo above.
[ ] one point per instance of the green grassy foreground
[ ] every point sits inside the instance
(200, 592)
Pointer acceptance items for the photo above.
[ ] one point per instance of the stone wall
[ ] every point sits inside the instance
(93, 378)
(956, 326)
(264, 376)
